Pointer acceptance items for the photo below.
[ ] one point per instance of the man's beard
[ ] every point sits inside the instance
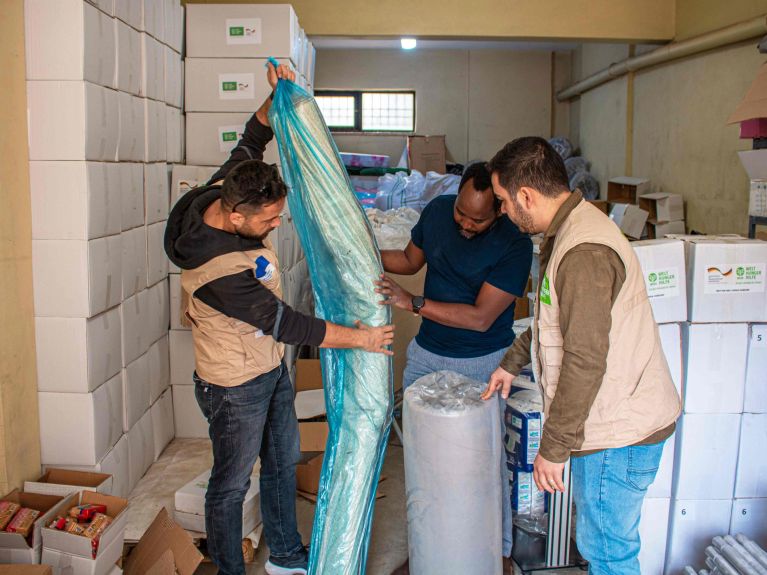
(249, 234)
(522, 218)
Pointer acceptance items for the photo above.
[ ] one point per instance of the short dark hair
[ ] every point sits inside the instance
(531, 162)
(253, 184)
(479, 173)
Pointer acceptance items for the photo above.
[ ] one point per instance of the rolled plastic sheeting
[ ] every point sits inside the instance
(343, 263)
(587, 184)
(575, 164)
(563, 147)
(452, 448)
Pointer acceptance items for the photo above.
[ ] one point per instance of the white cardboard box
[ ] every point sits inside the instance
(132, 195)
(175, 302)
(14, 548)
(653, 531)
(174, 25)
(129, 11)
(751, 477)
(156, 128)
(210, 137)
(174, 147)
(692, 526)
(663, 268)
(748, 518)
(153, 18)
(74, 200)
(706, 456)
(186, 177)
(159, 310)
(661, 230)
(114, 463)
(174, 83)
(156, 193)
(129, 70)
(186, 413)
(69, 40)
(671, 341)
(159, 368)
(135, 390)
(76, 278)
(242, 31)
(141, 447)
(130, 146)
(661, 487)
(715, 367)
(85, 439)
(136, 326)
(181, 357)
(226, 84)
(77, 355)
(190, 503)
(134, 261)
(106, 6)
(726, 280)
(152, 68)
(755, 399)
(63, 482)
(629, 218)
(88, 131)
(162, 422)
(73, 553)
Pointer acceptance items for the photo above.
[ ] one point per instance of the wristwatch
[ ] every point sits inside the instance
(418, 302)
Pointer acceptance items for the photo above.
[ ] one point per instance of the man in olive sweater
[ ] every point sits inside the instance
(609, 400)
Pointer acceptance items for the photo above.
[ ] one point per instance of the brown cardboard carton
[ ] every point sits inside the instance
(663, 207)
(308, 474)
(165, 549)
(426, 153)
(25, 569)
(314, 434)
(602, 205)
(626, 190)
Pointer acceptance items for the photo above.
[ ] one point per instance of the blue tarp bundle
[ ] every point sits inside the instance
(343, 263)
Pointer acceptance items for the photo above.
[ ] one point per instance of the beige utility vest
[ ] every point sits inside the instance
(228, 351)
(637, 397)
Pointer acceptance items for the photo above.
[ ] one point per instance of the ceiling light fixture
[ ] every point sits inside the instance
(408, 43)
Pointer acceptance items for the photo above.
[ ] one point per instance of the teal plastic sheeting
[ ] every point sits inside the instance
(343, 264)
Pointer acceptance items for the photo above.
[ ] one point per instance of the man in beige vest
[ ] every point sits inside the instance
(609, 401)
(218, 235)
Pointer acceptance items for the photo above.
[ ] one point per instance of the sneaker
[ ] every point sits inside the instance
(274, 569)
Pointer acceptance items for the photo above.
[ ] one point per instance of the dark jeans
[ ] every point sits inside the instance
(248, 420)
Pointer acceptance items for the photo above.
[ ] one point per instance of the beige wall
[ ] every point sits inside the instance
(19, 428)
(680, 137)
(573, 19)
(694, 17)
(479, 99)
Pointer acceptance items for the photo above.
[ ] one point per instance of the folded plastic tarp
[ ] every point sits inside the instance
(343, 264)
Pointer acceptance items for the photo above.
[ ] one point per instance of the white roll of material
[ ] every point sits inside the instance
(453, 487)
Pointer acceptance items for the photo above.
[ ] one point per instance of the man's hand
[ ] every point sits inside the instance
(548, 475)
(376, 339)
(282, 71)
(395, 294)
(501, 379)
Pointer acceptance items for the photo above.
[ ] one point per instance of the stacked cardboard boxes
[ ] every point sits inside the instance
(104, 98)
(641, 213)
(713, 290)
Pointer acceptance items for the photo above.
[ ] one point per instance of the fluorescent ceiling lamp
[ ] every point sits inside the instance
(408, 43)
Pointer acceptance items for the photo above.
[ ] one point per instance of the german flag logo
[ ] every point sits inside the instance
(717, 270)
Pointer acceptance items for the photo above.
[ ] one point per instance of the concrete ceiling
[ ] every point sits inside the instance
(351, 43)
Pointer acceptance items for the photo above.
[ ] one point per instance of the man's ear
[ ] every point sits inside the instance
(526, 197)
(236, 219)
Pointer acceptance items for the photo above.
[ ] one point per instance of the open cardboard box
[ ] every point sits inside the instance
(15, 548)
(165, 549)
(64, 550)
(63, 482)
(663, 207)
(626, 190)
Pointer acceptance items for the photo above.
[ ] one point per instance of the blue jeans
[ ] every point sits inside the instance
(608, 489)
(422, 362)
(245, 421)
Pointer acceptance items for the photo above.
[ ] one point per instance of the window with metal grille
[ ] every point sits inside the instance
(367, 111)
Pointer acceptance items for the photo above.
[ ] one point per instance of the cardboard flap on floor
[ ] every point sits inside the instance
(47, 505)
(164, 549)
(63, 482)
(82, 546)
(754, 103)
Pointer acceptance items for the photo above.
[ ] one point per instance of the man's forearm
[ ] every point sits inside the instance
(518, 355)
(338, 336)
(459, 315)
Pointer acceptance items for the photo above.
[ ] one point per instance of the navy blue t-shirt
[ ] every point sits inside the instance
(456, 269)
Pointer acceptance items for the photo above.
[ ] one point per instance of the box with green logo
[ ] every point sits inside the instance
(663, 269)
(210, 137)
(727, 280)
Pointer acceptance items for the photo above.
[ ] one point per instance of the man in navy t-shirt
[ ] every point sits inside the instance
(478, 264)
